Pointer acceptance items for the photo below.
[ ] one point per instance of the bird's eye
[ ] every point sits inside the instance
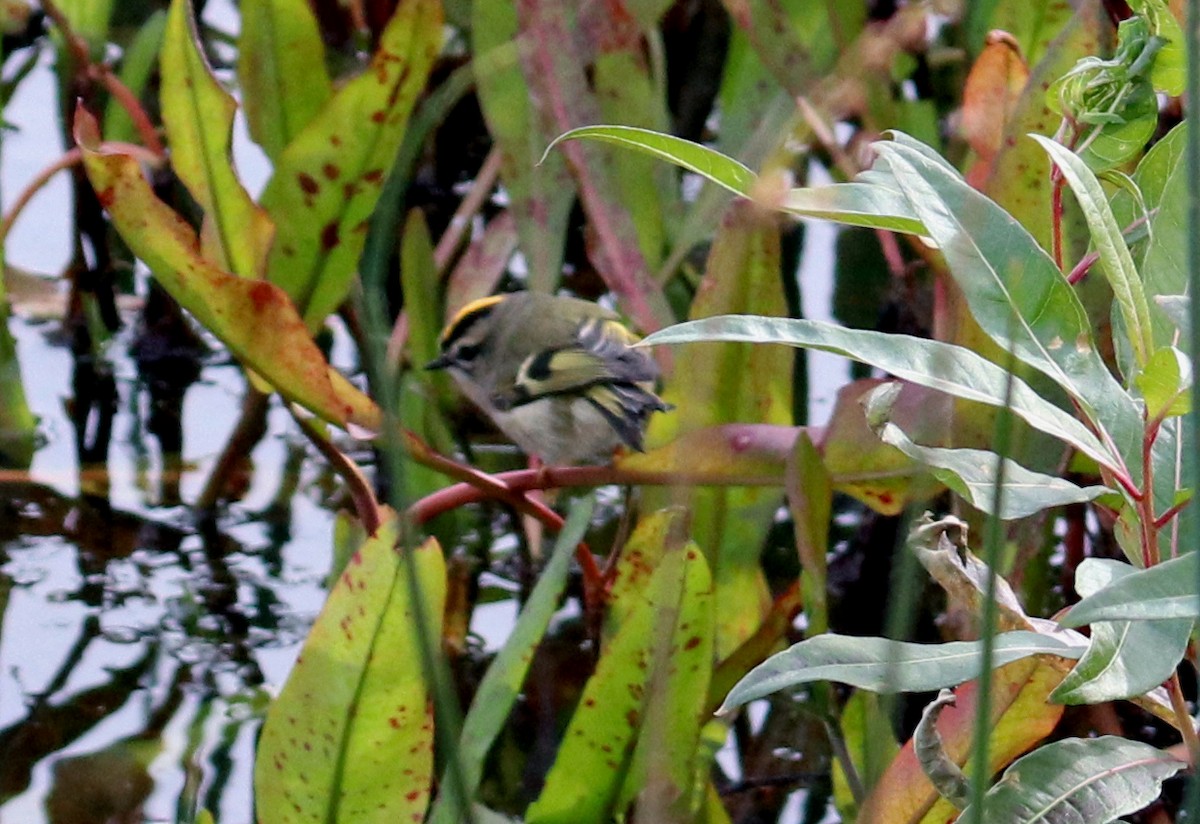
(467, 353)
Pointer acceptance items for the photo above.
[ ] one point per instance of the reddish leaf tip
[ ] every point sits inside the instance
(86, 129)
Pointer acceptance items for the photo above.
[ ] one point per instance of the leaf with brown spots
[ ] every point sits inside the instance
(350, 737)
(198, 115)
(253, 318)
(636, 730)
(722, 383)
(328, 179)
(506, 674)
(281, 69)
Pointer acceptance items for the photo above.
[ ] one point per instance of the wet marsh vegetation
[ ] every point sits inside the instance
(257, 563)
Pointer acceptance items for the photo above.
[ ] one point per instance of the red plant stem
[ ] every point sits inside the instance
(365, 504)
(1056, 216)
(132, 106)
(496, 487)
(1146, 517)
(1162, 520)
(70, 158)
(103, 74)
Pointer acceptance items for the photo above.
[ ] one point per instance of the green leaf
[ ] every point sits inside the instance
(540, 195)
(884, 665)
(281, 69)
(860, 203)
(1014, 290)
(1114, 254)
(942, 366)
(18, 424)
(647, 692)
(1166, 590)
(1178, 308)
(972, 473)
(198, 115)
(724, 384)
(1165, 182)
(137, 68)
(720, 169)
(350, 737)
(1166, 384)
(1124, 658)
(328, 178)
(1169, 72)
(253, 318)
(1065, 782)
(502, 683)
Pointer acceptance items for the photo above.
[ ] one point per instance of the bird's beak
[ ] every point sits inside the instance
(440, 362)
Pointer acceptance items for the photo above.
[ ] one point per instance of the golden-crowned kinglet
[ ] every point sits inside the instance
(556, 374)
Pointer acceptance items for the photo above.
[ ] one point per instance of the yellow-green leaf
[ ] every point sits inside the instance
(328, 179)
(350, 737)
(281, 69)
(198, 115)
(253, 318)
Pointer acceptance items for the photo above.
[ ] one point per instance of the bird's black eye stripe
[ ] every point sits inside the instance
(467, 352)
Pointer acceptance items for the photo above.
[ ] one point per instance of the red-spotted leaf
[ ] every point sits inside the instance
(253, 318)
(328, 179)
(638, 722)
(350, 737)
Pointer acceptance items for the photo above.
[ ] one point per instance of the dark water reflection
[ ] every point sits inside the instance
(135, 645)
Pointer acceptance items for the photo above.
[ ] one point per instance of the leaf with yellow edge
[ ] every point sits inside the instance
(198, 115)
(253, 318)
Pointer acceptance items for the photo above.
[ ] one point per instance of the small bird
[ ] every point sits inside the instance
(556, 374)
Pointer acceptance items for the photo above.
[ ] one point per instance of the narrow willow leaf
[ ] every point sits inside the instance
(1115, 258)
(951, 369)
(720, 169)
(1124, 658)
(884, 665)
(1166, 590)
(1014, 290)
(859, 203)
(973, 474)
(1178, 308)
(505, 675)
(1079, 780)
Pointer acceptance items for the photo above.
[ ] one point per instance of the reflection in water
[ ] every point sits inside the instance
(134, 644)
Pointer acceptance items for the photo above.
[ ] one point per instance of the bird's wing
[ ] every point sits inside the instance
(601, 354)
